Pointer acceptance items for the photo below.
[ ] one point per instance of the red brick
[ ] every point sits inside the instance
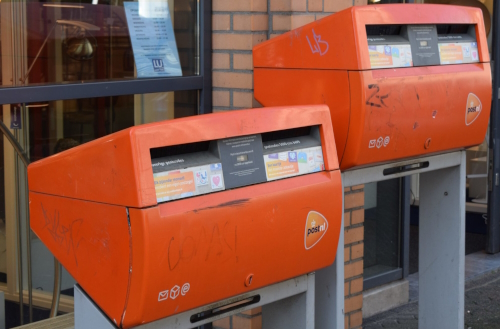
(353, 269)
(360, 2)
(336, 5)
(242, 62)
(239, 5)
(232, 80)
(347, 254)
(354, 200)
(221, 23)
(346, 322)
(358, 187)
(357, 251)
(347, 218)
(220, 98)
(353, 235)
(282, 22)
(301, 20)
(242, 99)
(357, 216)
(281, 5)
(220, 61)
(356, 285)
(346, 288)
(353, 304)
(356, 319)
(298, 5)
(250, 22)
(315, 5)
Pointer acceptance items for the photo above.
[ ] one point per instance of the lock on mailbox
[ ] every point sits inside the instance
(401, 81)
(162, 218)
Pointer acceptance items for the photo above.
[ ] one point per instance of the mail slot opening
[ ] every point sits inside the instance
(401, 169)
(187, 170)
(224, 309)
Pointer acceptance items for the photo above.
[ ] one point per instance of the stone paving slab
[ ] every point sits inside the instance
(482, 307)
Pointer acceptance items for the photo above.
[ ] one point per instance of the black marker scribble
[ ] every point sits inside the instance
(63, 235)
(375, 95)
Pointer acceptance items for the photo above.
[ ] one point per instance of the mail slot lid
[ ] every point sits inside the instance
(416, 111)
(197, 251)
(117, 169)
(340, 41)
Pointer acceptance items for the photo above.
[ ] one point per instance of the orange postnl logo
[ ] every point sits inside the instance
(473, 109)
(316, 227)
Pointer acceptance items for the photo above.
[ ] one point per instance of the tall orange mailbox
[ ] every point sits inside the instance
(162, 218)
(401, 80)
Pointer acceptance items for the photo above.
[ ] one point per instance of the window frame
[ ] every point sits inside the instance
(106, 88)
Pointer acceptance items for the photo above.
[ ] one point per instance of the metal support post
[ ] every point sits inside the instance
(442, 248)
(329, 302)
(493, 234)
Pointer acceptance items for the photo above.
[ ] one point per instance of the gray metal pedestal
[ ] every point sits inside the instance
(288, 304)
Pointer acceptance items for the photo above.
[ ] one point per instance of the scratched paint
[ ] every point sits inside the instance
(217, 243)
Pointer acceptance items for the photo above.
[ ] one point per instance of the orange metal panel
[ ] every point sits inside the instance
(301, 87)
(212, 242)
(215, 241)
(339, 41)
(92, 241)
(116, 169)
(413, 107)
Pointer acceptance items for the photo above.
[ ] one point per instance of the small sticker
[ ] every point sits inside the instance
(283, 156)
(473, 109)
(215, 167)
(316, 227)
(372, 143)
(273, 156)
(302, 157)
(380, 140)
(292, 156)
(201, 177)
(318, 157)
(216, 181)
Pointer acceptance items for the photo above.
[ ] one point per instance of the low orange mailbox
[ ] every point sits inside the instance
(166, 217)
(401, 81)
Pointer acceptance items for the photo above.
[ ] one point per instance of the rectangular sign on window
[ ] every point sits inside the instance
(153, 39)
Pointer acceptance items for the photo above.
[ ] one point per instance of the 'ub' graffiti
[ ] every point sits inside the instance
(318, 45)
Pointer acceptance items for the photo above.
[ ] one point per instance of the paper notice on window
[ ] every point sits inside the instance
(153, 39)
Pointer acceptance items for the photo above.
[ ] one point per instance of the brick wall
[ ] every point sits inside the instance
(354, 215)
(237, 26)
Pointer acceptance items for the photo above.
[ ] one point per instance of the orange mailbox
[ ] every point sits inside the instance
(162, 218)
(401, 81)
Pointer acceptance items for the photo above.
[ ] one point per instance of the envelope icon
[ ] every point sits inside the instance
(372, 143)
(163, 295)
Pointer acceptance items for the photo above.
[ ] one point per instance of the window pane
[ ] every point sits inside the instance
(80, 41)
(55, 126)
(382, 227)
(3, 241)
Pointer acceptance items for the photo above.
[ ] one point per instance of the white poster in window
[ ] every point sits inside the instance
(153, 39)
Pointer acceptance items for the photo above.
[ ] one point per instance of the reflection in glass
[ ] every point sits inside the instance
(3, 241)
(382, 227)
(81, 41)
